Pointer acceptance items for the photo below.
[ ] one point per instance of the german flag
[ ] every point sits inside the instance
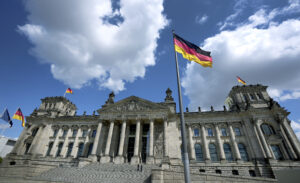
(69, 90)
(19, 116)
(192, 52)
(241, 81)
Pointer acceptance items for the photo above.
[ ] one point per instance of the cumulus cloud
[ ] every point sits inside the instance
(201, 19)
(296, 128)
(268, 55)
(95, 40)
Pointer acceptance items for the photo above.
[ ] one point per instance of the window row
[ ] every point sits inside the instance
(214, 152)
(224, 132)
(234, 172)
(74, 133)
(80, 151)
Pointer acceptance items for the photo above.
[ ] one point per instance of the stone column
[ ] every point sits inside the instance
(264, 142)
(120, 158)
(106, 157)
(205, 145)
(20, 142)
(191, 143)
(234, 144)
(75, 145)
(55, 143)
(135, 159)
(293, 139)
(34, 149)
(166, 148)
(286, 140)
(220, 144)
(93, 156)
(150, 158)
(86, 142)
(66, 143)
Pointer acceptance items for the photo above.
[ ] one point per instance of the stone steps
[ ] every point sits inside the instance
(96, 172)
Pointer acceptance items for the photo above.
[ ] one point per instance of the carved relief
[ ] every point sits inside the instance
(158, 140)
(131, 106)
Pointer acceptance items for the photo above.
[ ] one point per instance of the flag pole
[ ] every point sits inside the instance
(183, 136)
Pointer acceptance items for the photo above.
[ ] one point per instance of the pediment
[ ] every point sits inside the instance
(132, 104)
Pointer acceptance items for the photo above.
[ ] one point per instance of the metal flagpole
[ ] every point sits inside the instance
(183, 136)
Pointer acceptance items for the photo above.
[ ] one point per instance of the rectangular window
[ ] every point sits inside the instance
(210, 132)
(84, 133)
(132, 130)
(223, 132)
(94, 133)
(70, 147)
(237, 131)
(64, 133)
(55, 132)
(196, 132)
(277, 152)
(74, 133)
(49, 148)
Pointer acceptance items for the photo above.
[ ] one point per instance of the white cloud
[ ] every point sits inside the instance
(201, 20)
(268, 55)
(83, 41)
(296, 128)
(238, 9)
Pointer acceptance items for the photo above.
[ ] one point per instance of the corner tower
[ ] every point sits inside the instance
(245, 97)
(55, 106)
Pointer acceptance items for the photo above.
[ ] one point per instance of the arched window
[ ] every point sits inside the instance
(196, 132)
(276, 151)
(70, 147)
(243, 152)
(90, 149)
(80, 150)
(49, 148)
(227, 151)
(267, 129)
(59, 148)
(198, 152)
(213, 153)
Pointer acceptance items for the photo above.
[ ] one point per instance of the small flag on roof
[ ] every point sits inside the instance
(241, 81)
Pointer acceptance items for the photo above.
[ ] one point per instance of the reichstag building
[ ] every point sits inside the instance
(137, 140)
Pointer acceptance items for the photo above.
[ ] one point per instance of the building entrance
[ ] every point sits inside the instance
(130, 149)
(144, 149)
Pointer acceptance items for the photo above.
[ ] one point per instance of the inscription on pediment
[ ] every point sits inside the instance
(132, 105)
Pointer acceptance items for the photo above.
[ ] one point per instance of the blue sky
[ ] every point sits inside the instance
(126, 46)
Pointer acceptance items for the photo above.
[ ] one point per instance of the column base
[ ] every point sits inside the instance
(93, 157)
(119, 160)
(207, 161)
(105, 159)
(223, 161)
(135, 160)
(239, 161)
(150, 160)
(165, 164)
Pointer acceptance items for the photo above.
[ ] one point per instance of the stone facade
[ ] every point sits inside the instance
(247, 141)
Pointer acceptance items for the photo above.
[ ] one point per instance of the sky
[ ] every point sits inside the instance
(126, 46)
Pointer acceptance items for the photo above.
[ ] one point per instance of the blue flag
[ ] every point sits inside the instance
(5, 116)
